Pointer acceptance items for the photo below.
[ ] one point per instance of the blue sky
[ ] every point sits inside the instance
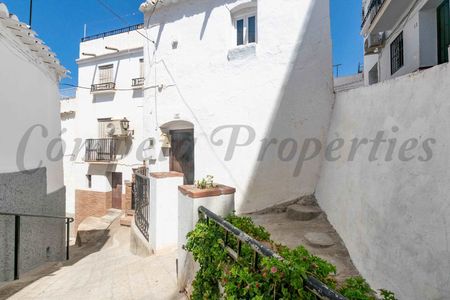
(60, 23)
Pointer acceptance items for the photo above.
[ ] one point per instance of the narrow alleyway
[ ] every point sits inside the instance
(104, 271)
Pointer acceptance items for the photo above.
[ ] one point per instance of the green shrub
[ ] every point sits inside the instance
(273, 278)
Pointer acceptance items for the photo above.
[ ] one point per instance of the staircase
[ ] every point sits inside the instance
(127, 218)
(304, 223)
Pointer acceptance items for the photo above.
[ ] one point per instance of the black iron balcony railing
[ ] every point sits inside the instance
(101, 150)
(99, 87)
(312, 284)
(112, 32)
(17, 223)
(137, 82)
(141, 197)
(372, 11)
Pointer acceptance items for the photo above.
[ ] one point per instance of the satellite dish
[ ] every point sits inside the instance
(110, 129)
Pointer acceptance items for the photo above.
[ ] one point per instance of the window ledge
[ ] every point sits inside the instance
(242, 52)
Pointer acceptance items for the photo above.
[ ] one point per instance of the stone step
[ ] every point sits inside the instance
(126, 221)
(319, 240)
(303, 213)
(130, 212)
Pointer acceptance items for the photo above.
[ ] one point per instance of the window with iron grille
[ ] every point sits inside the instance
(105, 74)
(141, 68)
(397, 56)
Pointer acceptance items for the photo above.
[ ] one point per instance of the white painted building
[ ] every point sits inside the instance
(103, 122)
(31, 168)
(261, 66)
(404, 36)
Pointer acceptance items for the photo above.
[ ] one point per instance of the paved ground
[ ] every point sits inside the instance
(292, 234)
(104, 271)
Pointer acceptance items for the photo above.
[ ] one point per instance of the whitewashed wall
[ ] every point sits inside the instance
(31, 168)
(282, 87)
(394, 215)
(29, 96)
(88, 108)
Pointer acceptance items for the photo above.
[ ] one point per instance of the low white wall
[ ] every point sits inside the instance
(188, 217)
(394, 215)
(163, 213)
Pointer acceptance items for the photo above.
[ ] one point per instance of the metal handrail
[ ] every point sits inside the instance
(374, 4)
(312, 284)
(113, 32)
(17, 217)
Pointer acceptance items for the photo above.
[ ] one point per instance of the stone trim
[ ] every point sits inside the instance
(161, 175)
(193, 192)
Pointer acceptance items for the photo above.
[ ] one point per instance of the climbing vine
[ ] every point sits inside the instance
(220, 277)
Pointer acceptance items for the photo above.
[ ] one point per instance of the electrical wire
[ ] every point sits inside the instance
(116, 89)
(108, 8)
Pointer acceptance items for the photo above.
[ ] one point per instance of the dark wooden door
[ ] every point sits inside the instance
(117, 190)
(182, 154)
(443, 19)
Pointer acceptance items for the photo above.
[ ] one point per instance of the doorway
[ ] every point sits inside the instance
(116, 190)
(182, 154)
(443, 29)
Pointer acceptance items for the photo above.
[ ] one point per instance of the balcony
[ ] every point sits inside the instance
(101, 150)
(138, 82)
(103, 87)
(382, 15)
(113, 32)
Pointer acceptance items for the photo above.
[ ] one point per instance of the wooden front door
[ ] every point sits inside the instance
(182, 154)
(117, 190)
(443, 27)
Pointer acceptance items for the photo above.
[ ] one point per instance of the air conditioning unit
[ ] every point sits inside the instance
(373, 42)
(117, 128)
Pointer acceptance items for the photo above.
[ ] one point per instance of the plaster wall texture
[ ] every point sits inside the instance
(393, 215)
(281, 87)
(88, 108)
(41, 240)
(164, 212)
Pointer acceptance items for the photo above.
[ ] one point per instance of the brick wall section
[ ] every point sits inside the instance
(91, 204)
(126, 198)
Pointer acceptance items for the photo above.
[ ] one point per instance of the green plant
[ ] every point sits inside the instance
(272, 279)
(387, 295)
(205, 183)
(358, 289)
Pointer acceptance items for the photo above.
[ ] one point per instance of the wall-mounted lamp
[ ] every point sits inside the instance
(125, 124)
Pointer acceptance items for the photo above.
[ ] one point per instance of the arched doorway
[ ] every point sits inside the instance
(182, 158)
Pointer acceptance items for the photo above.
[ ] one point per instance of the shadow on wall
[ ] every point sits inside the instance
(303, 112)
(205, 8)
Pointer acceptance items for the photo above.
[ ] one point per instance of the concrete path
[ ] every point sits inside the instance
(315, 234)
(111, 272)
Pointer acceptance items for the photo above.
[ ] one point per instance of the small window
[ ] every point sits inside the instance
(89, 181)
(105, 74)
(397, 55)
(252, 29)
(141, 68)
(246, 29)
(240, 31)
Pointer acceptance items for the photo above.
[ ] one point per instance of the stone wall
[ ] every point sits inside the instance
(41, 239)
